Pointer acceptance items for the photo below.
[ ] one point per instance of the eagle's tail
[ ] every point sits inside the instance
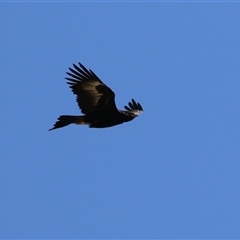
(65, 120)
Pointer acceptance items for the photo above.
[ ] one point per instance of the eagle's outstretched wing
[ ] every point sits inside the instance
(92, 94)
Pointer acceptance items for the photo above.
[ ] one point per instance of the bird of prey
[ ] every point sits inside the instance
(96, 101)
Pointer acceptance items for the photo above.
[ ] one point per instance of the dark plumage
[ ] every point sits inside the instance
(96, 101)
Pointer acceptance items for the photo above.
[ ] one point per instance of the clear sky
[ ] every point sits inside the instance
(173, 172)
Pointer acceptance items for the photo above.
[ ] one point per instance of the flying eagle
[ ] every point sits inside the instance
(96, 101)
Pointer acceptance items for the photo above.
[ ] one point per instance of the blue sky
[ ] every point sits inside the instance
(171, 173)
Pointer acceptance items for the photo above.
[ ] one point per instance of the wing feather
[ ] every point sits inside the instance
(132, 106)
(92, 94)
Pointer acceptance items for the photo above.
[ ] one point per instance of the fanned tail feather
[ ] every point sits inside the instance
(65, 120)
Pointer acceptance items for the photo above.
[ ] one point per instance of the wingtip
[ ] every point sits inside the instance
(133, 105)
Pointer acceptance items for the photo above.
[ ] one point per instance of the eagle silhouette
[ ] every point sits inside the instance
(96, 101)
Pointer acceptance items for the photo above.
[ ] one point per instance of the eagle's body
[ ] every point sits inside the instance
(96, 101)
